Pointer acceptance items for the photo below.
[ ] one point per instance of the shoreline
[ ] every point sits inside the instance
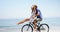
(51, 29)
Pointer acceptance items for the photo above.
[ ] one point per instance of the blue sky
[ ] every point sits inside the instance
(22, 8)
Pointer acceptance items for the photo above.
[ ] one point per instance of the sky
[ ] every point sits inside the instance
(15, 9)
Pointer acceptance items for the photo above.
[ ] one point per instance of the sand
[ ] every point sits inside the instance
(52, 29)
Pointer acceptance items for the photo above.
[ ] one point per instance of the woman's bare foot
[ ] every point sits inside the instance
(17, 23)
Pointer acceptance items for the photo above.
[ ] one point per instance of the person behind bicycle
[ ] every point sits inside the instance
(35, 13)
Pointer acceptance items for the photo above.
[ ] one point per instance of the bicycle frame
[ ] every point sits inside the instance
(31, 24)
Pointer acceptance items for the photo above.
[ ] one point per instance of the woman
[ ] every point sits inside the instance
(35, 13)
(38, 15)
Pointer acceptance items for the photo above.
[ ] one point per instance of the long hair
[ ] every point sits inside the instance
(32, 9)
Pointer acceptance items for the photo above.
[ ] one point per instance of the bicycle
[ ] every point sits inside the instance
(29, 27)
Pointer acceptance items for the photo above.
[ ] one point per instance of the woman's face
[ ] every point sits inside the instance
(35, 8)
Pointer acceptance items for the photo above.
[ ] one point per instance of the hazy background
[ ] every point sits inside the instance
(15, 9)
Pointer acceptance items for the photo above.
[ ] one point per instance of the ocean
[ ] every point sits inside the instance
(11, 23)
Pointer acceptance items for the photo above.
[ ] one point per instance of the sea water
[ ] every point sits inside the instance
(11, 23)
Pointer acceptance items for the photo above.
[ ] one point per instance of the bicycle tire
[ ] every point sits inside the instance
(42, 25)
(28, 26)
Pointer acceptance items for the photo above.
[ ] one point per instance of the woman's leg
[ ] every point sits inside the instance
(35, 23)
(25, 20)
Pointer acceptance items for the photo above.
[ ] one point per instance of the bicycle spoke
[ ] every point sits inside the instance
(44, 28)
(26, 28)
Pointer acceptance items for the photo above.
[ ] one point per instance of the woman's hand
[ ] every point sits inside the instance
(33, 16)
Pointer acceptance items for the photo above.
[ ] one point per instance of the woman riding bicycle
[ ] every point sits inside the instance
(35, 13)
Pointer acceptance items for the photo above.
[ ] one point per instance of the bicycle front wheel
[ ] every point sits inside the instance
(27, 28)
(44, 28)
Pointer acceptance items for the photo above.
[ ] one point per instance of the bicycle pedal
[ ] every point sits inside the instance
(38, 29)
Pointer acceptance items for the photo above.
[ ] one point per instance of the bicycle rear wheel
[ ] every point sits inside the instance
(44, 28)
(27, 28)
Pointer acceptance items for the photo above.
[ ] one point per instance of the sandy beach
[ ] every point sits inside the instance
(52, 29)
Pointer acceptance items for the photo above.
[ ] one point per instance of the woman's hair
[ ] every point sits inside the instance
(32, 8)
(35, 6)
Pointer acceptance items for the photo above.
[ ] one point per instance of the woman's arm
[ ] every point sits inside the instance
(37, 14)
